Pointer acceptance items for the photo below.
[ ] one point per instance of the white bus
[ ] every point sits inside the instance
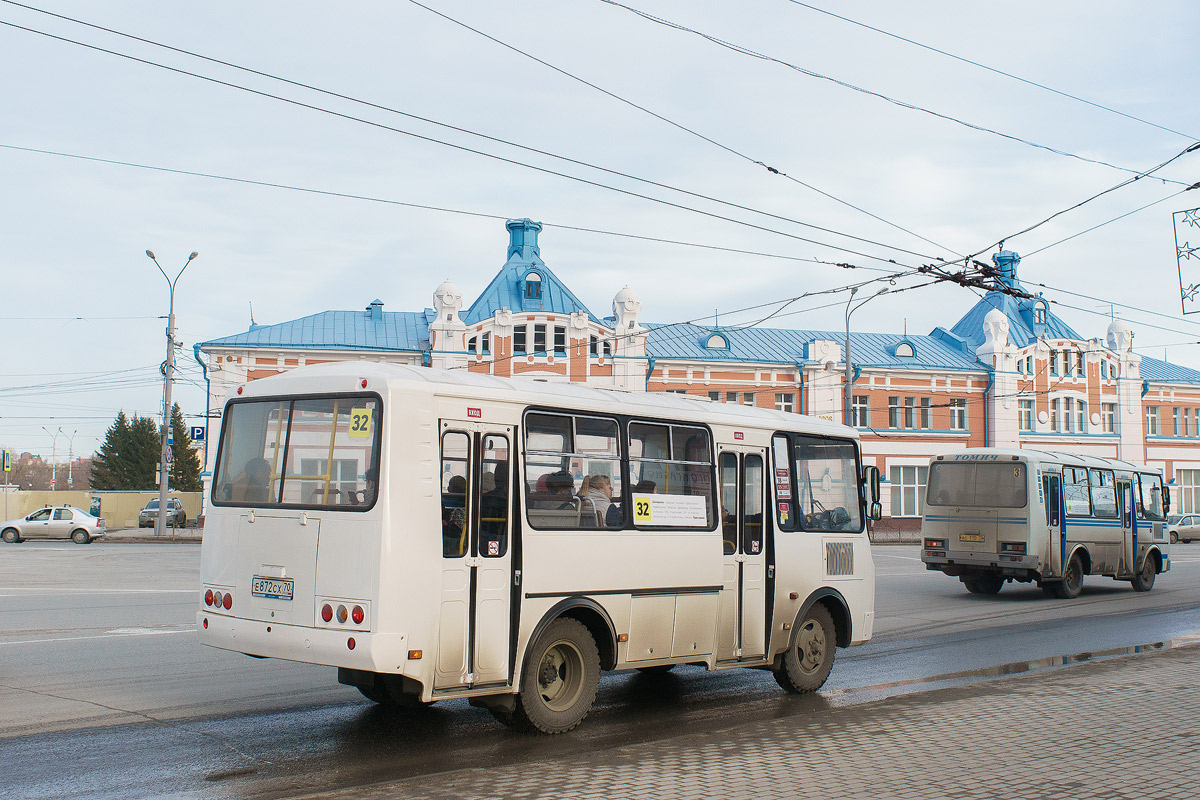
(994, 515)
(438, 534)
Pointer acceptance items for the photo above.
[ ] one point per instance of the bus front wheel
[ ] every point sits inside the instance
(809, 658)
(560, 680)
(1144, 580)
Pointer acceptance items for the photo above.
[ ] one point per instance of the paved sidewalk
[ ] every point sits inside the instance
(128, 535)
(1127, 727)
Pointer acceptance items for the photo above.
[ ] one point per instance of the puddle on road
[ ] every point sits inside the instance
(864, 694)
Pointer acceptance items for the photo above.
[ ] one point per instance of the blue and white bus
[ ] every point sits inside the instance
(995, 515)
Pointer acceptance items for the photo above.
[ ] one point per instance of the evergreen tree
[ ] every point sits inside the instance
(185, 462)
(143, 453)
(108, 468)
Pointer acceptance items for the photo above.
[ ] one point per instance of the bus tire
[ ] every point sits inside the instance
(806, 664)
(985, 584)
(1071, 585)
(1144, 580)
(560, 680)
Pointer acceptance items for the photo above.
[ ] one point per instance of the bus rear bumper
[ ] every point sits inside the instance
(957, 563)
(373, 652)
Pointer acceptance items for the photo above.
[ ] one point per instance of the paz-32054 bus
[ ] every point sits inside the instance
(994, 515)
(438, 534)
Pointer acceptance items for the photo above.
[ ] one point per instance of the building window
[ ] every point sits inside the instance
(1029, 365)
(1066, 362)
(908, 490)
(893, 412)
(519, 339)
(860, 411)
(748, 398)
(1039, 313)
(905, 350)
(1196, 422)
(716, 342)
(1053, 362)
(926, 413)
(1152, 420)
(560, 340)
(1054, 410)
(910, 409)
(1080, 365)
(593, 345)
(1108, 417)
(539, 338)
(533, 286)
(958, 414)
(1175, 420)
(714, 396)
(1081, 416)
(473, 344)
(1187, 418)
(1025, 415)
(1188, 491)
(487, 342)
(785, 401)
(606, 348)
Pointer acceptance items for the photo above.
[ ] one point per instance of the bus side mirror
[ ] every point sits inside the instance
(876, 511)
(1166, 500)
(871, 484)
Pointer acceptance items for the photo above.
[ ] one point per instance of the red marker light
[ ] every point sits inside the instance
(228, 601)
(364, 383)
(208, 597)
(327, 612)
(350, 643)
(358, 615)
(239, 390)
(205, 623)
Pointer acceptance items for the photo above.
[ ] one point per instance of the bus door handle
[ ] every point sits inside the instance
(473, 561)
(771, 571)
(516, 577)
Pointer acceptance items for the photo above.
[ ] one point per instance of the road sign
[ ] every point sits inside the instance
(7, 461)
(197, 434)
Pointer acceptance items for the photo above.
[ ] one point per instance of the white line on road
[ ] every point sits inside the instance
(113, 634)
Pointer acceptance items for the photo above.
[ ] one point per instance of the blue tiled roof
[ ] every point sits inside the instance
(505, 290)
(1022, 330)
(783, 346)
(339, 330)
(1152, 369)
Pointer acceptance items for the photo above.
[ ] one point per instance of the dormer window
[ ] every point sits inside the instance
(716, 342)
(533, 286)
(1039, 312)
(904, 349)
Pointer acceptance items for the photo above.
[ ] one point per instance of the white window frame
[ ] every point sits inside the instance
(906, 483)
(958, 414)
(1025, 415)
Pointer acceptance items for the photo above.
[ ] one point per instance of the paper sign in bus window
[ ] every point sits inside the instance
(360, 422)
(670, 510)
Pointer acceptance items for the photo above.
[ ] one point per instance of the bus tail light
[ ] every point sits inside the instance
(217, 599)
(342, 614)
(1012, 547)
(205, 623)
(327, 612)
(935, 543)
(350, 643)
(208, 597)
(358, 615)
(227, 602)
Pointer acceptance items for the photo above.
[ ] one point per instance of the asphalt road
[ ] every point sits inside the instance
(104, 691)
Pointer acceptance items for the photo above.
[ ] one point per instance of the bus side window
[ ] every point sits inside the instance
(493, 502)
(456, 449)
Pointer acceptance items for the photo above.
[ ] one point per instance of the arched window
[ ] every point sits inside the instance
(533, 286)
(1039, 312)
(904, 350)
(716, 342)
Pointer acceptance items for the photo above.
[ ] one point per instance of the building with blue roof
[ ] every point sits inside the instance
(1009, 373)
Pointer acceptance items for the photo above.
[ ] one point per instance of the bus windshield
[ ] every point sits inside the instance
(993, 485)
(309, 453)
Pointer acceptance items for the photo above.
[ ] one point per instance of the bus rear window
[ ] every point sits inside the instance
(308, 453)
(990, 485)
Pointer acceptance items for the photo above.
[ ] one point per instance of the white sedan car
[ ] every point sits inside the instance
(54, 522)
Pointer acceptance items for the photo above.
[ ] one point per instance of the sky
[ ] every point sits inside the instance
(868, 136)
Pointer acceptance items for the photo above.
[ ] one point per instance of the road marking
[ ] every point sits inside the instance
(113, 634)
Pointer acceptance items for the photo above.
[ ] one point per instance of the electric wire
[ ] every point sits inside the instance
(746, 51)
(932, 49)
(484, 154)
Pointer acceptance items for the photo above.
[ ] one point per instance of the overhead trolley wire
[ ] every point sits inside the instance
(932, 49)
(746, 51)
(463, 148)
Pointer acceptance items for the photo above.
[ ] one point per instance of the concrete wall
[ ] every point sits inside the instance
(119, 509)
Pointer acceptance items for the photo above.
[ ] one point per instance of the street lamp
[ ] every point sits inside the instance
(71, 460)
(848, 389)
(53, 456)
(160, 527)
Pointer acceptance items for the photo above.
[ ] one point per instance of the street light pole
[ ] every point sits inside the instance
(160, 527)
(53, 456)
(71, 461)
(848, 390)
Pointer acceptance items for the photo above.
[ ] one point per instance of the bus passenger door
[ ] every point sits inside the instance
(476, 594)
(1052, 487)
(1128, 528)
(741, 633)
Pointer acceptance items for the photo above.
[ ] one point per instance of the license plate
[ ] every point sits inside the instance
(970, 537)
(274, 588)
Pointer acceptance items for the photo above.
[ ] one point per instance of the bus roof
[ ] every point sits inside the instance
(1049, 457)
(526, 390)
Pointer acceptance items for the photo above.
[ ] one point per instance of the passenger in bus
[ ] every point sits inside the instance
(596, 497)
(493, 511)
(364, 496)
(251, 485)
(560, 485)
(454, 529)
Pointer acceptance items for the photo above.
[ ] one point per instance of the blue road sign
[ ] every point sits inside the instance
(197, 433)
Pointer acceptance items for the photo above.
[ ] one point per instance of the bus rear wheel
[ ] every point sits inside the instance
(1144, 580)
(1071, 584)
(809, 658)
(560, 680)
(984, 584)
